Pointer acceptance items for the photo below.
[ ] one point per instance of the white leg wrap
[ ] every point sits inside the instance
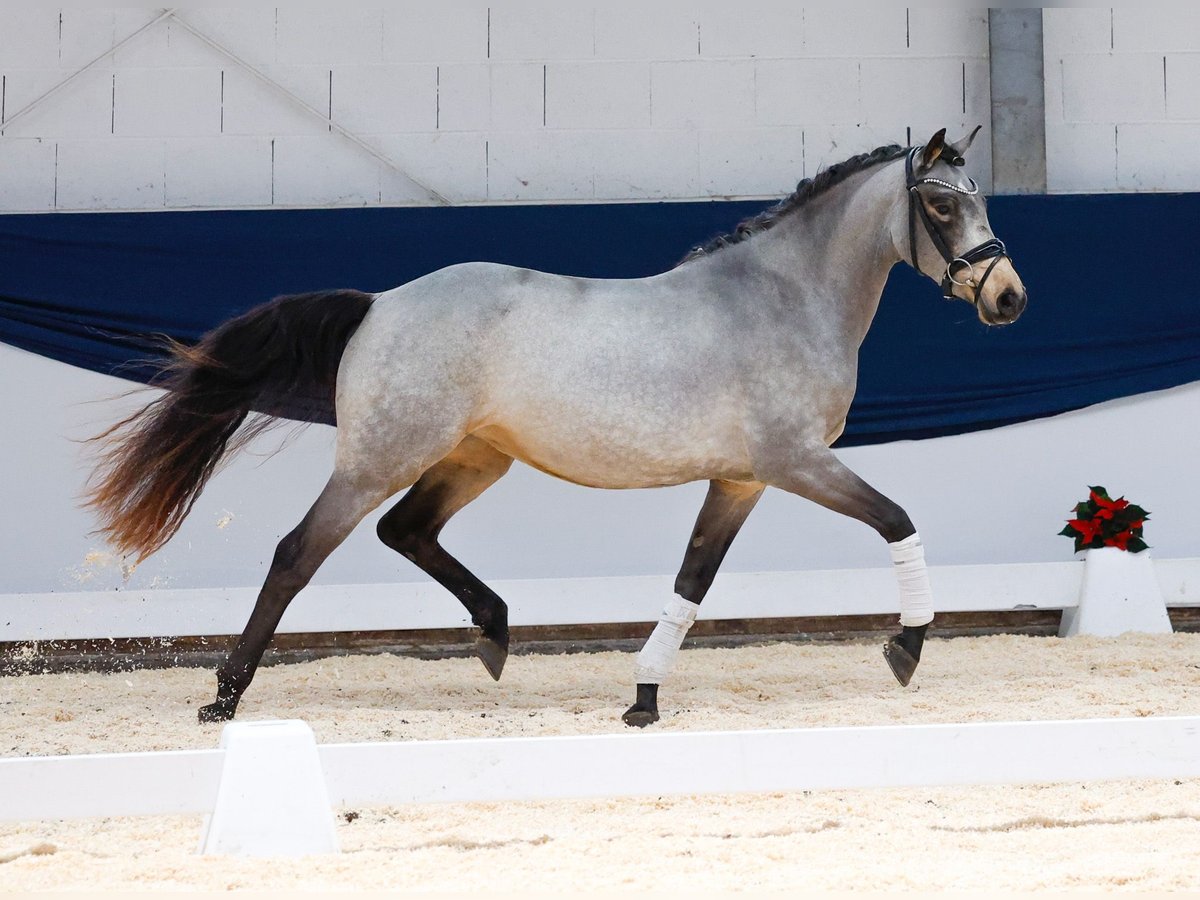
(657, 658)
(916, 597)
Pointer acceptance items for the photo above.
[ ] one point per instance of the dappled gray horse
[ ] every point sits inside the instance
(736, 367)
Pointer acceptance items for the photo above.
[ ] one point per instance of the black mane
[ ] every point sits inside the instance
(805, 191)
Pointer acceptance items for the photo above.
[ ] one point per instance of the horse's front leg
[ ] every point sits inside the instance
(725, 509)
(815, 473)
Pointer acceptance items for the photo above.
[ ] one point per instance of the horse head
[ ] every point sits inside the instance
(956, 246)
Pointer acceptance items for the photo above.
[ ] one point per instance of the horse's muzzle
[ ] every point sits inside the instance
(1009, 306)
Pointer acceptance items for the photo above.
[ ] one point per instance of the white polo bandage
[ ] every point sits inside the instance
(657, 658)
(916, 596)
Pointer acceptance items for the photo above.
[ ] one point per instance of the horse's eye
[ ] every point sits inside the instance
(943, 209)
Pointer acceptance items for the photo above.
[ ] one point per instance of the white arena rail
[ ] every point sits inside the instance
(564, 601)
(612, 765)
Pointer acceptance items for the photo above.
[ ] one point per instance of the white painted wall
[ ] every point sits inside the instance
(516, 102)
(537, 102)
(1122, 98)
(992, 497)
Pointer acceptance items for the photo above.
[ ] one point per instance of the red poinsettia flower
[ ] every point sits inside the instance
(1087, 528)
(1101, 521)
(1120, 541)
(1107, 508)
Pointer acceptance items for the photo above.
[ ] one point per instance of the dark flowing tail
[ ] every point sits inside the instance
(279, 359)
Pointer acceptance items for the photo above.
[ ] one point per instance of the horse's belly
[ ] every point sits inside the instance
(584, 458)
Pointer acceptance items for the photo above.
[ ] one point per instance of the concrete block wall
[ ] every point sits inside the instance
(529, 102)
(1122, 98)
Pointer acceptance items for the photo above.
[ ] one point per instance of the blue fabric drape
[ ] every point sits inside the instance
(1111, 310)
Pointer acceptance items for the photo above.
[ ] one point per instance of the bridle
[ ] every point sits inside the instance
(993, 249)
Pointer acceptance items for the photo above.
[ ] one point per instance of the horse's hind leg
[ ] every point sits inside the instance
(821, 477)
(725, 509)
(341, 505)
(412, 526)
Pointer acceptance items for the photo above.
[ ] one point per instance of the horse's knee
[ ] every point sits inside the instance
(893, 523)
(887, 517)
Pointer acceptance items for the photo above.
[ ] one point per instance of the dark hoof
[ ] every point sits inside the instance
(903, 651)
(492, 654)
(902, 663)
(645, 708)
(637, 717)
(221, 711)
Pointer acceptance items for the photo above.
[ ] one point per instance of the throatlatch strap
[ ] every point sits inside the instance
(916, 595)
(657, 658)
(910, 183)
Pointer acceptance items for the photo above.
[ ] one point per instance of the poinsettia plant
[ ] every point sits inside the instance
(1101, 521)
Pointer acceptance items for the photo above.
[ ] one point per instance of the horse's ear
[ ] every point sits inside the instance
(932, 150)
(954, 153)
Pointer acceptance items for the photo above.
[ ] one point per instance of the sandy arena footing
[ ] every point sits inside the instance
(1131, 835)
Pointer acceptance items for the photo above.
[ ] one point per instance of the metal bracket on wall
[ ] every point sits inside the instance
(172, 14)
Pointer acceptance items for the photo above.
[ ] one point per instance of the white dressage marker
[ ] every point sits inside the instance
(271, 800)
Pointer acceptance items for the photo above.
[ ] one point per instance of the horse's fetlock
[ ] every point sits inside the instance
(232, 680)
(690, 584)
(492, 619)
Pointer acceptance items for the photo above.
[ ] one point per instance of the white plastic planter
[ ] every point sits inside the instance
(1119, 593)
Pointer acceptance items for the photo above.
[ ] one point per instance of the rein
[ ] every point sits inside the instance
(993, 249)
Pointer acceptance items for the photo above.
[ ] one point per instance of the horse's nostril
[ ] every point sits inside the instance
(1010, 303)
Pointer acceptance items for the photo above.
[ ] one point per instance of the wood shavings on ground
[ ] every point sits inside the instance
(42, 849)
(1116, 835)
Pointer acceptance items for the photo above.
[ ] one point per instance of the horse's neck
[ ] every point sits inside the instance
(835, 252)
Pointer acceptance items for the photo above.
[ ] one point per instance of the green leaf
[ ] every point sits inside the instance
(1136, 545)
(1068, 531)
(1101, 492)
(1136, 512)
